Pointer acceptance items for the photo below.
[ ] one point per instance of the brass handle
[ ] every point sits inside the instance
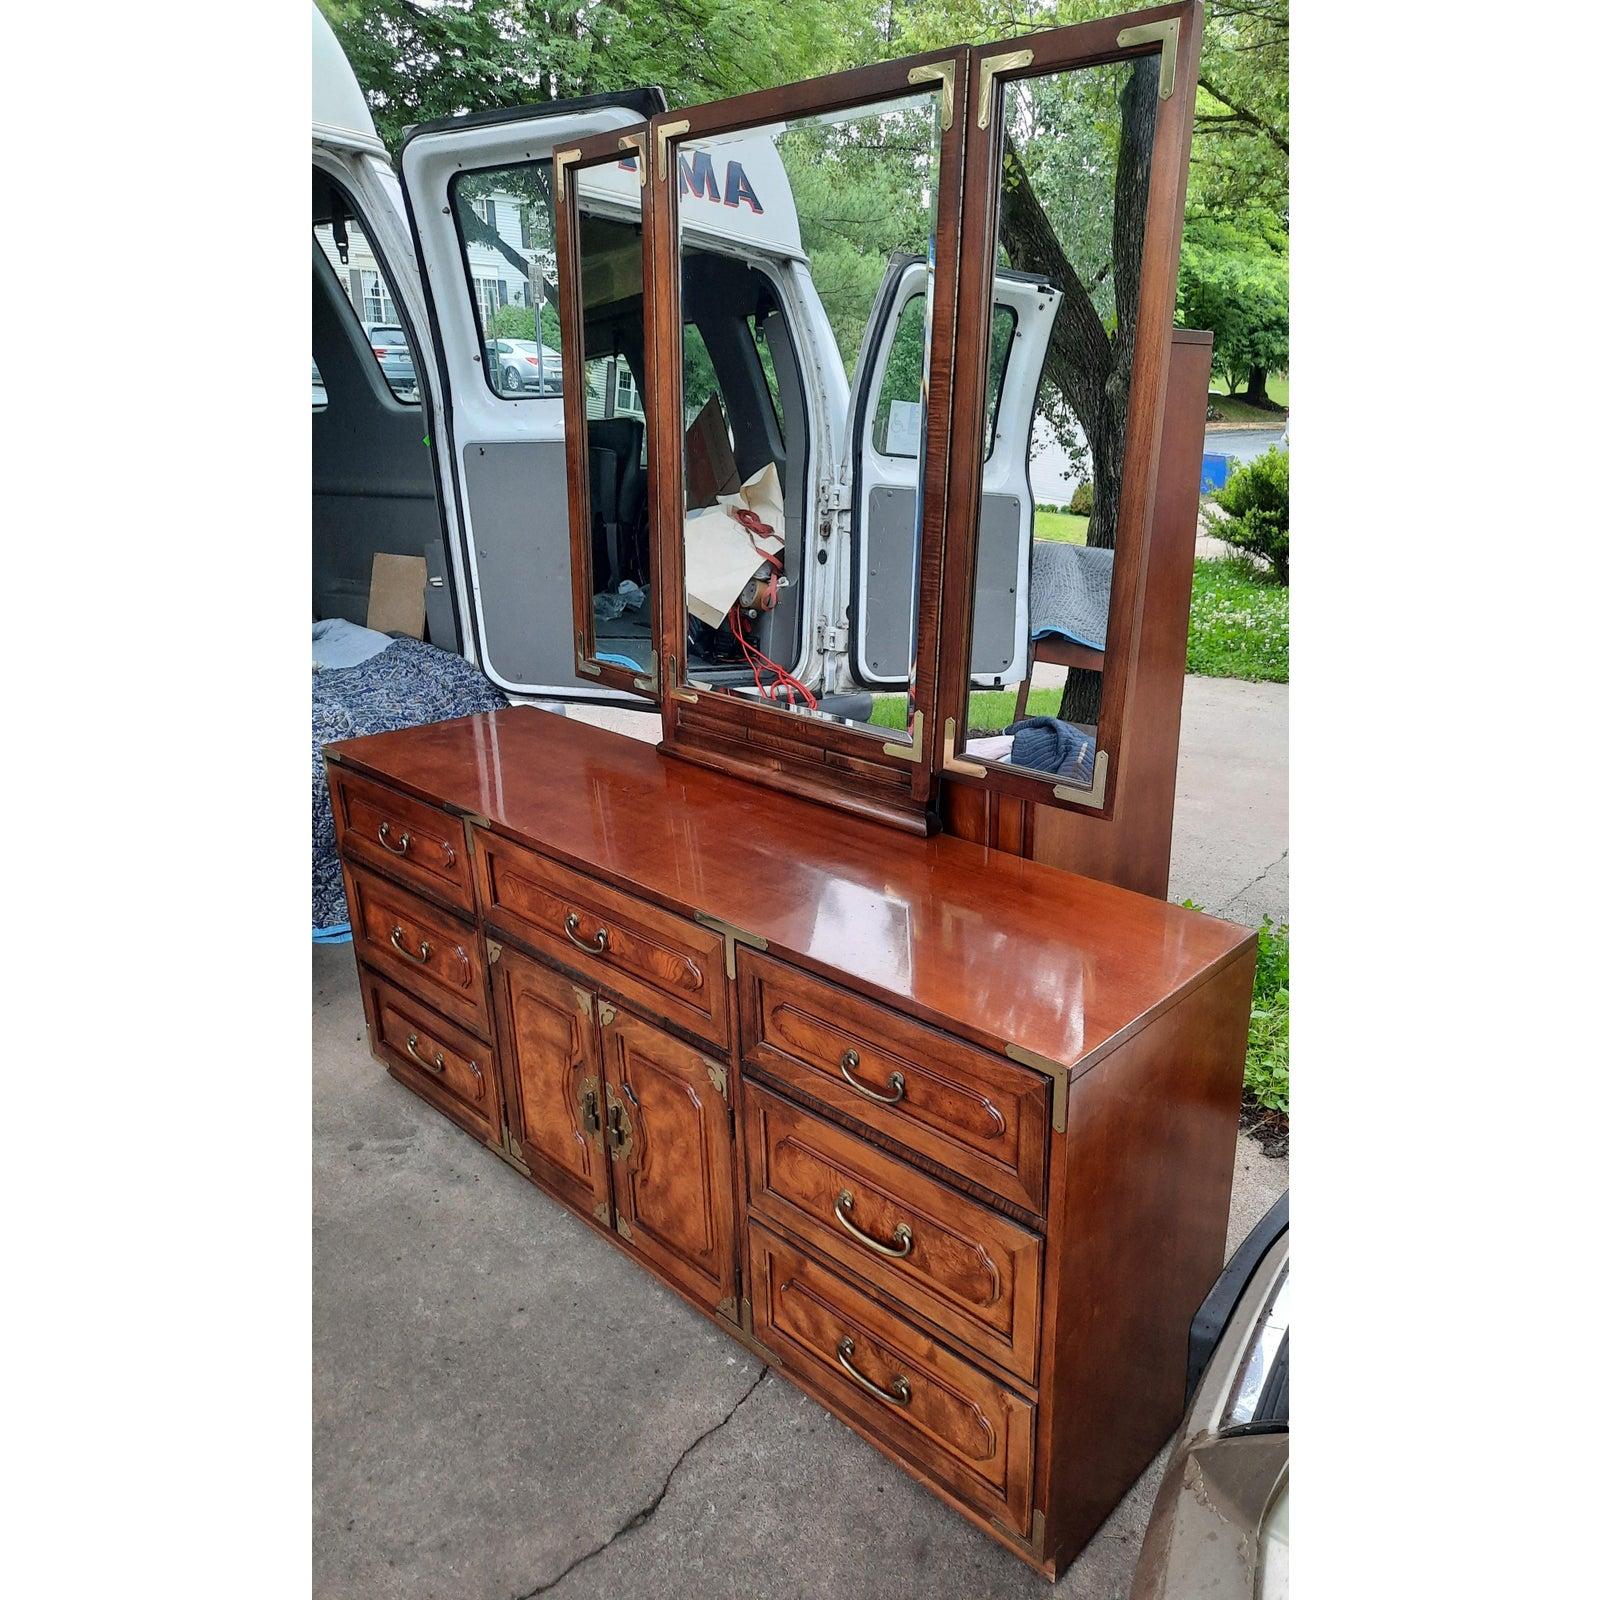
(591, 1111)
(436, 1065)
(601, 939)
(897, 1394)
(902, 1233)
(850, 1060)
(383, 839)
(619, 1131)
(399, 944)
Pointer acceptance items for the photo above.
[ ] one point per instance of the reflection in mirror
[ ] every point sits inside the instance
(804, 251)
(610, 295)
(1074, 182)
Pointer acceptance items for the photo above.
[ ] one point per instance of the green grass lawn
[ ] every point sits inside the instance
(1239, 623)
(1238, 628)
(1061, 526)
(1234, 409)
(991, 709)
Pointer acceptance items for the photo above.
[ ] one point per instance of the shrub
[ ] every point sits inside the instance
(1266, 1060)
(1082, 502)
(1255, 506)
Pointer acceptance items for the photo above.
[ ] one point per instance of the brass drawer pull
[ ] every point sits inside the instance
(397, 940)
(591, 1111)
(897, 1394)
(601, 939)
(850, 1060)
(902, 1233)
(383, 839)
(436, 1065)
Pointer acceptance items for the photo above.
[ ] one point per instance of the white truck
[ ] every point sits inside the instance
(468, 468)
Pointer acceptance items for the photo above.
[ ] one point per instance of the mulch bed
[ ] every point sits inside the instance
(1269, 1129)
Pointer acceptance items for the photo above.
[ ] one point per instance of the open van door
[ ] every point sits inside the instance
(885, 433)
(479, 196)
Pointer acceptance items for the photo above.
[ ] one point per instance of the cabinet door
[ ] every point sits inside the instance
(671, 1156)
(553, 1075)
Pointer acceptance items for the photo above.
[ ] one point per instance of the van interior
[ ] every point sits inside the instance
(739, 361)
(373, 488)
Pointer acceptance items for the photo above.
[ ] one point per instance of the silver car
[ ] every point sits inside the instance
(1220, 1527)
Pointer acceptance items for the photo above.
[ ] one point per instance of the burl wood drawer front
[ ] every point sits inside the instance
(383, 828)
(443, 1063)
(939, 1414)
(421, 947)
(976, 1113)
(973, 1274)
(661, 962)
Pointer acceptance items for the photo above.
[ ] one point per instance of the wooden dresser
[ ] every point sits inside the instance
(945, 1135)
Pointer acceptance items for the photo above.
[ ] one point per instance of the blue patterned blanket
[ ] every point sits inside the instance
(404, 685)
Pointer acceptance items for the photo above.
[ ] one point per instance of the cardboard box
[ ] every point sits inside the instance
(708, 465)
(397, 602)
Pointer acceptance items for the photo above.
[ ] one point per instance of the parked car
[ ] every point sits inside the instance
(1220, 1527)
(527, 364)
(388, 341)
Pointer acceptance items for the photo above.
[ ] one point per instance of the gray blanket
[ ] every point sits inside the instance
(1070, 592)
(404, 685)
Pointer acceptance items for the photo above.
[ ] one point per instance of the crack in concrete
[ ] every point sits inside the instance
(639, 1518)
(1257, 879)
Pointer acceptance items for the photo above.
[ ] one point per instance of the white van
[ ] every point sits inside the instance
(465, 464)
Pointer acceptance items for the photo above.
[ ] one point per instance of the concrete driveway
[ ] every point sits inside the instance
(506, 1407)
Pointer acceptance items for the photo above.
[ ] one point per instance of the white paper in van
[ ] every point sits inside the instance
(719, 556)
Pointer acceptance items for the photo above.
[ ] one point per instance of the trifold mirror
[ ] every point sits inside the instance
(799, 451)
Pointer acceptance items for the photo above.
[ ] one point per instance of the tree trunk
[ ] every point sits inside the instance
(1256, 394)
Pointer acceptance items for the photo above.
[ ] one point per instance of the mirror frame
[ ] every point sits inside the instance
(838, 763)
(598, 150)
(1173, 31)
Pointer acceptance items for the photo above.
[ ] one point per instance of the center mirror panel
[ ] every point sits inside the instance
(805, 253)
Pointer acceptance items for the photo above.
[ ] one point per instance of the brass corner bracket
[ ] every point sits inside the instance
(718, 1074)
(666, 131)
(1167, 33)
(650, 685)
(1095, 794)
(1059, 1076)
(637, 141)
(496, 950)
(1011, 61)
(942, 72)
(911, 751)
(949, 761)
(731, 936)
(675, 685)
(559, 163)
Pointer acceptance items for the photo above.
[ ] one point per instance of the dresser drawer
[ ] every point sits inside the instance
(937, 1413)
(420, 845)
(970, 1273)
(661, 962)
(420, 947)
(976, 1113)
(443, 1063)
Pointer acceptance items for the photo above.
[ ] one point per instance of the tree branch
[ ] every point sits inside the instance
(1244, 115)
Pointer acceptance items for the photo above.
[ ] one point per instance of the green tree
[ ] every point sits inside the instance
(419, 60)
(1233, 278)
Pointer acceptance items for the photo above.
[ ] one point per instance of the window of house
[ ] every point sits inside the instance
(508, 249)
(355, 265)
(610, 389)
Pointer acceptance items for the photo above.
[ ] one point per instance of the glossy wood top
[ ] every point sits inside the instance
(999, 949)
